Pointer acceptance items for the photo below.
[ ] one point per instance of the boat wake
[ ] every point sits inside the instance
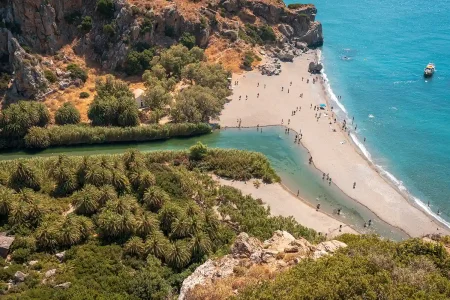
(343, 114)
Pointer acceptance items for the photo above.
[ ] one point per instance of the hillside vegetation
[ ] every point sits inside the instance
(132, 226)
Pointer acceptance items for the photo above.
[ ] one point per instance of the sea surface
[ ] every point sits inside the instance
(374, 55)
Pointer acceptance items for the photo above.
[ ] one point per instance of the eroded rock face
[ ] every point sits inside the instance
(248, 252)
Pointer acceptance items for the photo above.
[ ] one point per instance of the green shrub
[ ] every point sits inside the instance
(77, 72)
(50, 76)
(5, 78)
(73, 17)
(109, 30)
(198, 151)
(67, 114)
(84, 95)
(295, 5)
(187, 40)
(106, 8)
(138, 61)
(146, 26)
(19, 117)
(249, 58)
(37, 137)
(86, 24)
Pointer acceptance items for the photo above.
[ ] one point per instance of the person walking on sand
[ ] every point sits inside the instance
(339, 213)
(264, 85)
(340, 228)
(318, 207)
(289, 121)
(291, 83)
(257, 96)
(298, 192)
(302, 78)
(240, 98)
(258, 84)
(282, 121)
(246, 97)
(288, 91)
(354, 185)
(282, 88)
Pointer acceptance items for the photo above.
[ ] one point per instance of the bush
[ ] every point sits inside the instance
(84, 134)
(249, 58)
(109, 30)
(138, 61)
(198, 151)
(19, 117)
(4, 81)
(86, 24)
(73, 17)
(84, 95)
(67, 114)
(106, 8)
(50, 76)
(77, 72)
(188, 40)
(295, 5)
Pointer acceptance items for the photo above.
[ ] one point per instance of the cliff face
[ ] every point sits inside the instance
(46, 26)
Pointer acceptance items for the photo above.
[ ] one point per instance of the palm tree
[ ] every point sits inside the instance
(192, 209)
(180, 227)
(155, 197)
(200, 245)
(24, 177)
(212, 223)
(106, 193)
(156, 244)
(109, 223)
(94, 175)
(86, 200)
(146, 180)
(134, 246)
(120, 182)
(178, 255)
(146, 224)
(167, 215)
(7, 197)
(18, 214)
(70, 232)
(133, 158)
(47, 237)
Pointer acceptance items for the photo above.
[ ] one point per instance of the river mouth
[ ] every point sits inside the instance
(290, 161)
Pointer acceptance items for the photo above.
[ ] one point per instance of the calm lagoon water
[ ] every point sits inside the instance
(289, 160)
(404, 117)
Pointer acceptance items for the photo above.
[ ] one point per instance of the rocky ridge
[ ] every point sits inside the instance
(276, 254)
(45, 27)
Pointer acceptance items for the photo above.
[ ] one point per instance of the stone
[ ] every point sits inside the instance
(291, 249)
(315, 67)
(286, 56)
(233, 35)
(19, 276)
(230, 6)
(50, 273)
(244, 246)
(64, 84)
(286, 30)
(32, 263)
(64, 285)
(60, 256)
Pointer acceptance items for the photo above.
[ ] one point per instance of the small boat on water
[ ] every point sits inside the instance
(429, 70)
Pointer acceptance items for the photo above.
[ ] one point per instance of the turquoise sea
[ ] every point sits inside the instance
(405, 118)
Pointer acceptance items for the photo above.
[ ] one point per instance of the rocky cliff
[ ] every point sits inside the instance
(251, 260)
(44, 27)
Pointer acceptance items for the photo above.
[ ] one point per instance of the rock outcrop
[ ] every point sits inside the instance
(279, 253)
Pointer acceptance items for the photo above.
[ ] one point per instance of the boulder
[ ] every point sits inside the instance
(233, 35)
(286, 30)
(64, 84)
(32, 263)
(19, 276)
(244, 246)
(230, 6)
(315, 67)
(50, 273)
(286, 56)
(63, 286)
(60, 256)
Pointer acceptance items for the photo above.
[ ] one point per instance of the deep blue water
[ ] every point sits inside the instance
(404, 117)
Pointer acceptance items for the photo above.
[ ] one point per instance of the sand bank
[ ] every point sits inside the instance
(330, 148)
(283, 203)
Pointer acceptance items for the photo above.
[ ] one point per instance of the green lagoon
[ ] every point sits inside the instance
(290, 161)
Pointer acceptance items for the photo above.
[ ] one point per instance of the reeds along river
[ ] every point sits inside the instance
(290, 161)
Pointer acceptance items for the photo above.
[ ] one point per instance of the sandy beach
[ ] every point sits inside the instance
(330, 148)
(283, 203)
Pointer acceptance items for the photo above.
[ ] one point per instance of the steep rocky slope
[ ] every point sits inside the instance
(105, 37)
(251, 260)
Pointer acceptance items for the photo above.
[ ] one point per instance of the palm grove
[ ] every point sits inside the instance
(179, 84)
(133, 226)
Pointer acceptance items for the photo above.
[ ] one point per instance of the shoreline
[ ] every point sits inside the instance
(316, 96)
(304, 213)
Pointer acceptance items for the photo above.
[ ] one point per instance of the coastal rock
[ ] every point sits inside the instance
(233, 35)
(315, 67)
(286, 30)
(244, 246)
(286, 56)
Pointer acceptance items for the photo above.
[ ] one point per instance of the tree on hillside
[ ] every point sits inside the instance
(19, 117)
(196, 104)
(24, 177)
(178, 56)
(157, 97)
(67, 114)
(114, 105)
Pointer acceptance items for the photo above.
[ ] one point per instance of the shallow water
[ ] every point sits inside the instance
(404, 117)
(288, 159)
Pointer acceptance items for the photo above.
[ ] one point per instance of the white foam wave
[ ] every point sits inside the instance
(398, 183)
(328, 88)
